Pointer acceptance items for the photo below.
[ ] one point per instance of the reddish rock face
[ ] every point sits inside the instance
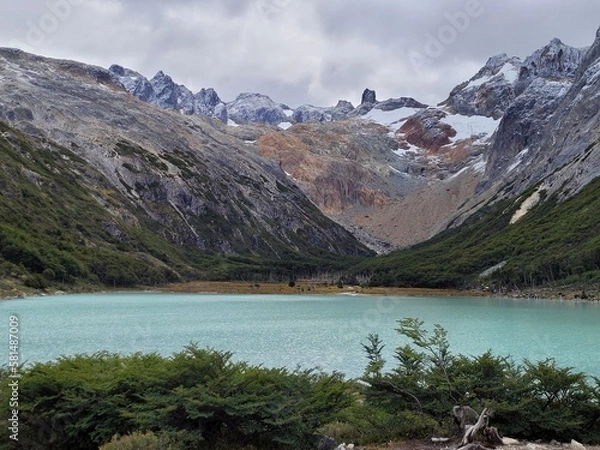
(426, 131)
(332, 167)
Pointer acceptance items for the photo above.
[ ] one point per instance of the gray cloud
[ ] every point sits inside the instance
(299, 51)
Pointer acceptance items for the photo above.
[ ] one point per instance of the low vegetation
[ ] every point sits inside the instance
(201, 398)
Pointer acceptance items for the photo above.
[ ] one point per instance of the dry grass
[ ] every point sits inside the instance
(303, 287)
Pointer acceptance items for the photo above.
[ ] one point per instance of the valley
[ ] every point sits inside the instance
(113, 180)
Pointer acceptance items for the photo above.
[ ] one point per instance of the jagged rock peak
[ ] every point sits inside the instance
(496, 64)
(162, 91)
(342, 109)
(167, 92)
(369, 96)
(553, 61)
(133, 82)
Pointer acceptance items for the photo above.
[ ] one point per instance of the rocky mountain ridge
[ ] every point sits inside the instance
(247, 107)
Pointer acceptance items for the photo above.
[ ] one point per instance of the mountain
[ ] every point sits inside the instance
(539, 224)
(92, 174)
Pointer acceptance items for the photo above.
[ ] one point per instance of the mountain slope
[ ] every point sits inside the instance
(180, 181)
(542, 225)
(556, 242)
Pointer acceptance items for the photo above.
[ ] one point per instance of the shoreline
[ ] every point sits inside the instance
(307, 287)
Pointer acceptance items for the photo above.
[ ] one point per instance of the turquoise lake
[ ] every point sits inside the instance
(305, 331)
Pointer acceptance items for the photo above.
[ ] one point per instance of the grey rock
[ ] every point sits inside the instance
(220, 112)
(199, 186)
(163, 92)
(309, 113)
(133, 82)
(392, 104)
(545, 78)
(341, 110)
(369, 96)
(167, 92)
(207, 98)
(553, 61)
(361, 110)
(256, 108)
(523, 122)
(489, 92)
(326, 443)
(19, 114)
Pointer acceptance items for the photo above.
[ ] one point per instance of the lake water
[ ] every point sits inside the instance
(306, 331)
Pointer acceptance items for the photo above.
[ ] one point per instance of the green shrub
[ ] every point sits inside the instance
(134, 441)
(36, 282)
(532, 400)
(196, 396)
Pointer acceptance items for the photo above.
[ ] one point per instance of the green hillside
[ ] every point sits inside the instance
(555, 243)
(63, 224)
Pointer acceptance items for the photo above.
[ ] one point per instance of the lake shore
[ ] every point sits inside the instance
(12, 290)
(307, 287)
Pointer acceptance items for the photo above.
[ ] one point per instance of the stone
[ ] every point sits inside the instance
(396, 103)
(326, 443)
(369, 96)
(576, 445)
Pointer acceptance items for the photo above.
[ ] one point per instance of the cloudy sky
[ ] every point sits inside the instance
(299, 51)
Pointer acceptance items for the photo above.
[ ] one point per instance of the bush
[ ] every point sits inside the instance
(196, 396)
(36, 282)
(532, 401)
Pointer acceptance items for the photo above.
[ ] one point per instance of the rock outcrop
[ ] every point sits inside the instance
(489, 92)
(369, 96)
(392, 104)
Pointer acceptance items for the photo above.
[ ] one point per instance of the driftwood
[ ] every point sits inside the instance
(462, 414)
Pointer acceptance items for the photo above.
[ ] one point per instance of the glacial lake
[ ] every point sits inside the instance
(306, 331)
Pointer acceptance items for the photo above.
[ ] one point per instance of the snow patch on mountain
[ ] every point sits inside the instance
(471, 127)
(391, 119)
